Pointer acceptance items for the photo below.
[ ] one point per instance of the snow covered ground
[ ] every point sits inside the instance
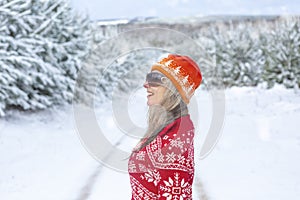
(257, 157)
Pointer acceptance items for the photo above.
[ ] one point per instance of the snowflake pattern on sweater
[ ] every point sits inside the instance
(164, 169)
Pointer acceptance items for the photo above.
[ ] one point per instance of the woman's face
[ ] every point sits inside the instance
(155, 93)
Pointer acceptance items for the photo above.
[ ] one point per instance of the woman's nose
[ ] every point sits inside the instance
(146, 84)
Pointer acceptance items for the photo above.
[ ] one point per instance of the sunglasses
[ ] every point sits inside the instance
(154, 79)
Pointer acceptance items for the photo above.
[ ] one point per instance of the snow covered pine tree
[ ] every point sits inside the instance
(42, 43)
(282, 49)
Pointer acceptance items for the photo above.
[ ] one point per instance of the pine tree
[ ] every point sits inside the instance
(41, 46)
(282, 49)
(239, 56)
(207, 62)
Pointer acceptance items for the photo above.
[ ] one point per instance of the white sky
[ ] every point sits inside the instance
(111, 9)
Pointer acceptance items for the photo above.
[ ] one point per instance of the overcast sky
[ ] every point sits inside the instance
(111, 9)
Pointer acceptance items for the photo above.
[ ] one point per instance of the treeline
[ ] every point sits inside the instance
(46, 48)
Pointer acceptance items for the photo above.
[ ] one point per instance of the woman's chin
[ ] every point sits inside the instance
(149, 103)
(152, 101)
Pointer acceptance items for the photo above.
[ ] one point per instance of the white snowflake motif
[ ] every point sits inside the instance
(140, 155)
(181, 159)
(153, 176)
(177, 143)
(171, 157)
(176, 189)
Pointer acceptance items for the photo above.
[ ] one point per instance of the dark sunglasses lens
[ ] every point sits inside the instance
(154, 78)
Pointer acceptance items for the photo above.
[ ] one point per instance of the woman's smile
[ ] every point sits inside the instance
(149, 94)
(154, 94)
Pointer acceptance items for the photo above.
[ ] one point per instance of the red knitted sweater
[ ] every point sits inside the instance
(164, 169)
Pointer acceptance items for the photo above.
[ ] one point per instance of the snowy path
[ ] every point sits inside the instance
(257, 157)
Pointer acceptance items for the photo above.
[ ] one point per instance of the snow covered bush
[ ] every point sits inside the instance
(41, 45)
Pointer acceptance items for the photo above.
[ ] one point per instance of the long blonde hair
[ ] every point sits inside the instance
(171, 108)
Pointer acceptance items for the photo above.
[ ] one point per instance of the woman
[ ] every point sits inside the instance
(161, 166)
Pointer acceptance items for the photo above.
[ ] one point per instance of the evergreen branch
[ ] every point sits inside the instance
(47, 22)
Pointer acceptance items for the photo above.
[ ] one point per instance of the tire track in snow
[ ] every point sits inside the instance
(87, 189)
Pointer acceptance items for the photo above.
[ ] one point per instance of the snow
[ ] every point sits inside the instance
(257, 156)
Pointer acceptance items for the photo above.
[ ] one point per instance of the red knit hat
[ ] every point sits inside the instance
(183, 72)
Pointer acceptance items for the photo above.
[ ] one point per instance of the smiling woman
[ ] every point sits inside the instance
(161, 166)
